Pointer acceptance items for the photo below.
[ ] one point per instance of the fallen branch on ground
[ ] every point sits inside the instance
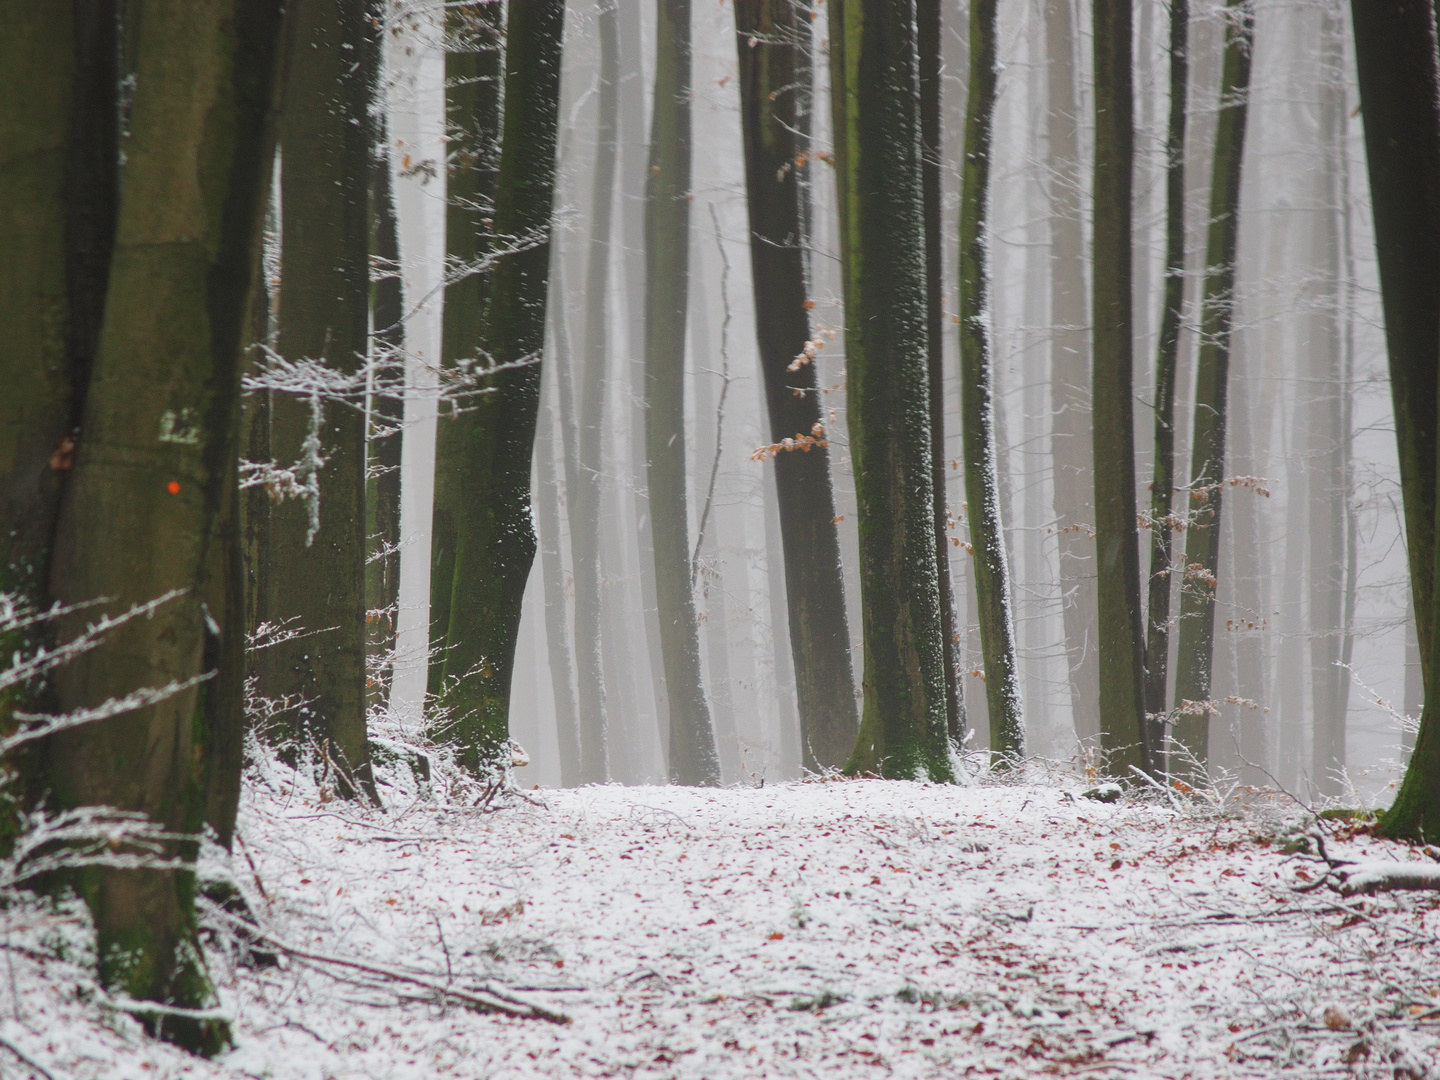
(1350, 878)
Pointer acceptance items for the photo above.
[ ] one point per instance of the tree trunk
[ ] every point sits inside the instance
(1070, 377)
(552, 575)
(875, 102)
(584, 501)
(1191, 730)
(58, 128)
(928, 30)
(316, 558)
(1117, 570)
(667, 260)
(473, 74)
(982, 484)
(1395, 56)
(386, 424)
(157, 468)
(772, 92)
(1162, 486)
(494, 537)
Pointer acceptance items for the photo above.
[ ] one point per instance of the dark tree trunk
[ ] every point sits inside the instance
(1190, 732)
(1162, 485)
(1395, 56)
(1070, 376)
(494, 538)
(875, 102)
(473, 74)
(982, 483)
(1117, 569)
(316, 557)
(772, 95)
(667, 260)
(928, 29)
(167, 362)
(58, 165)
(584, 501)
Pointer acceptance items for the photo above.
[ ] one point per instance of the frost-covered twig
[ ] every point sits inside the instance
(26, 1060)
(47, 724)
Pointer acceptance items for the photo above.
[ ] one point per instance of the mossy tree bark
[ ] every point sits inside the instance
(982, 485)
(1190, 732)
(58, 170)
(875, 103)
(156, 470)
(585, 498)
(474, 52)
(773, 90)
(1162, 485)
(928, 28)
(316, 558)
(1117, 570)
(1395, 56)
(693, 758)
(495, 434)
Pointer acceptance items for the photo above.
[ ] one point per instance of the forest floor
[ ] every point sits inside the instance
(825, 929)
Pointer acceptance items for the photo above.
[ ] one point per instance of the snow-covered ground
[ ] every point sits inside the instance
(827, 929)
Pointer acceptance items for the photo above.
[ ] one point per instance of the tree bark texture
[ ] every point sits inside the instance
(875, 102)
(770, 41)
(473, 81)
(584, 498)
(494, 537)
(1191, 727)
(693, 758)
(1117, 569)
(316, 575)
(1070, 376)
(977, 405)
(58, 154)
(156, 469)
(1395, 56)
(1162, 485)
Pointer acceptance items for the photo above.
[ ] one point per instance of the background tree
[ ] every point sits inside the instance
(1117, 569)
(495, 542)
(982, 484)
(1162, 485)
(157, 467)
(1395, 57)
(1201, 562)
(772, 46)
(875, 104)
(316, 557)
(692, 749)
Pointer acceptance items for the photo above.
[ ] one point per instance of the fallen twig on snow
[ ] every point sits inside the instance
(1350, 878)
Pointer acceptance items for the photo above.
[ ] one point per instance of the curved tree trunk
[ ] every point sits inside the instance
(156, 470)
(1117, 565)
(667, 261)
(584, 499)
(875, 102)
(316, 558)
(1395, 56)
(772, 93)
(1194, 663)
(495, 540)
(473, 72)
(1162, 486)
(982, 485)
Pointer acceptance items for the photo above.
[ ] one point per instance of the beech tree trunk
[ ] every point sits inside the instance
(982, 482)
(156, 470)
(774, 72)
(693, 757)
(316, 557)
(1117, 568)
(1191, 730)
(875, 103)
(494, 539)
(1395, 57)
